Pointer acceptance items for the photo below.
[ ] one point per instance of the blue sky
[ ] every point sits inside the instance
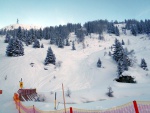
(55, 12)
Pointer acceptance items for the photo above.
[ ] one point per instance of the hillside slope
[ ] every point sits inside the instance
(23, 26)
(78, 71)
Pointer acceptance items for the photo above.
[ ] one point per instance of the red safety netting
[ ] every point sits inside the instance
(142, 107)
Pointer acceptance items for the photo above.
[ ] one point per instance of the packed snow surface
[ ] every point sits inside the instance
(78, 73)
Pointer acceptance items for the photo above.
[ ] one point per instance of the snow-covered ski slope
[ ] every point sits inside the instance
(78, 72)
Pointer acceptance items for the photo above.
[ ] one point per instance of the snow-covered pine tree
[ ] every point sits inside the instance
(111, 28)
(53, 37)
(67, 42)
(131, 56)
(99, 63)
(47, 34)
(50, 58)
(15, 48)
(7, 38)
(125, 62)
(28, 40)
(32, 35)
(36, 44)
(19, 33)
(80, 35)
(42, 46)
(123, 42)
(118, 50)
(61, 43)
(143, 64)
(120, 67)
(134, 30)
(139, 27)
(40, 34)
(24, 36)
(117, 31)
(115, 49)
(120, 55)
(73, 46)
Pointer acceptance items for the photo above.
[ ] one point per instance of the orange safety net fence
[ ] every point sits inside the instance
(143, 107)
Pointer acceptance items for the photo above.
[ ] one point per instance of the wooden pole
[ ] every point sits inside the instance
(135, 107)
(19, 106)
(64, 98)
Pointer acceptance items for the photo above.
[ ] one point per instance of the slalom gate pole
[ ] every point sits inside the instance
(64, 98)
(19, 106)
(16, 104)
(135, 107)
(55, 101)
(33, 109)
(71, 111)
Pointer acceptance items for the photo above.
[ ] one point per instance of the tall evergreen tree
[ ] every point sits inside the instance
(67, 42)
(111, 28)
(24, 35)
(117, 31)
(50, 58)
(19, 33)
(15, 48)
(40, 34)
(7, 38)
(120, 68)
(73, 46)
(80, 35)
(52, 37)
(99, 63)
(61, 43)
(32, 35)
(36, 44)
(123, 42)
(134, 30)
(109, 53)
(126, 62)
(47, 34)
(118, 50)
(42, 46)
(120, 56)
(29, 40)
(143, 64)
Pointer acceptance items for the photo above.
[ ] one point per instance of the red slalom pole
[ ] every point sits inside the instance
(135, 106)
(71, 111)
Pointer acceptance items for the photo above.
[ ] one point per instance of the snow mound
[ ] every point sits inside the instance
(23, 26)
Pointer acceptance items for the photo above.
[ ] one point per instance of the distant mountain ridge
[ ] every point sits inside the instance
(23, 26)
